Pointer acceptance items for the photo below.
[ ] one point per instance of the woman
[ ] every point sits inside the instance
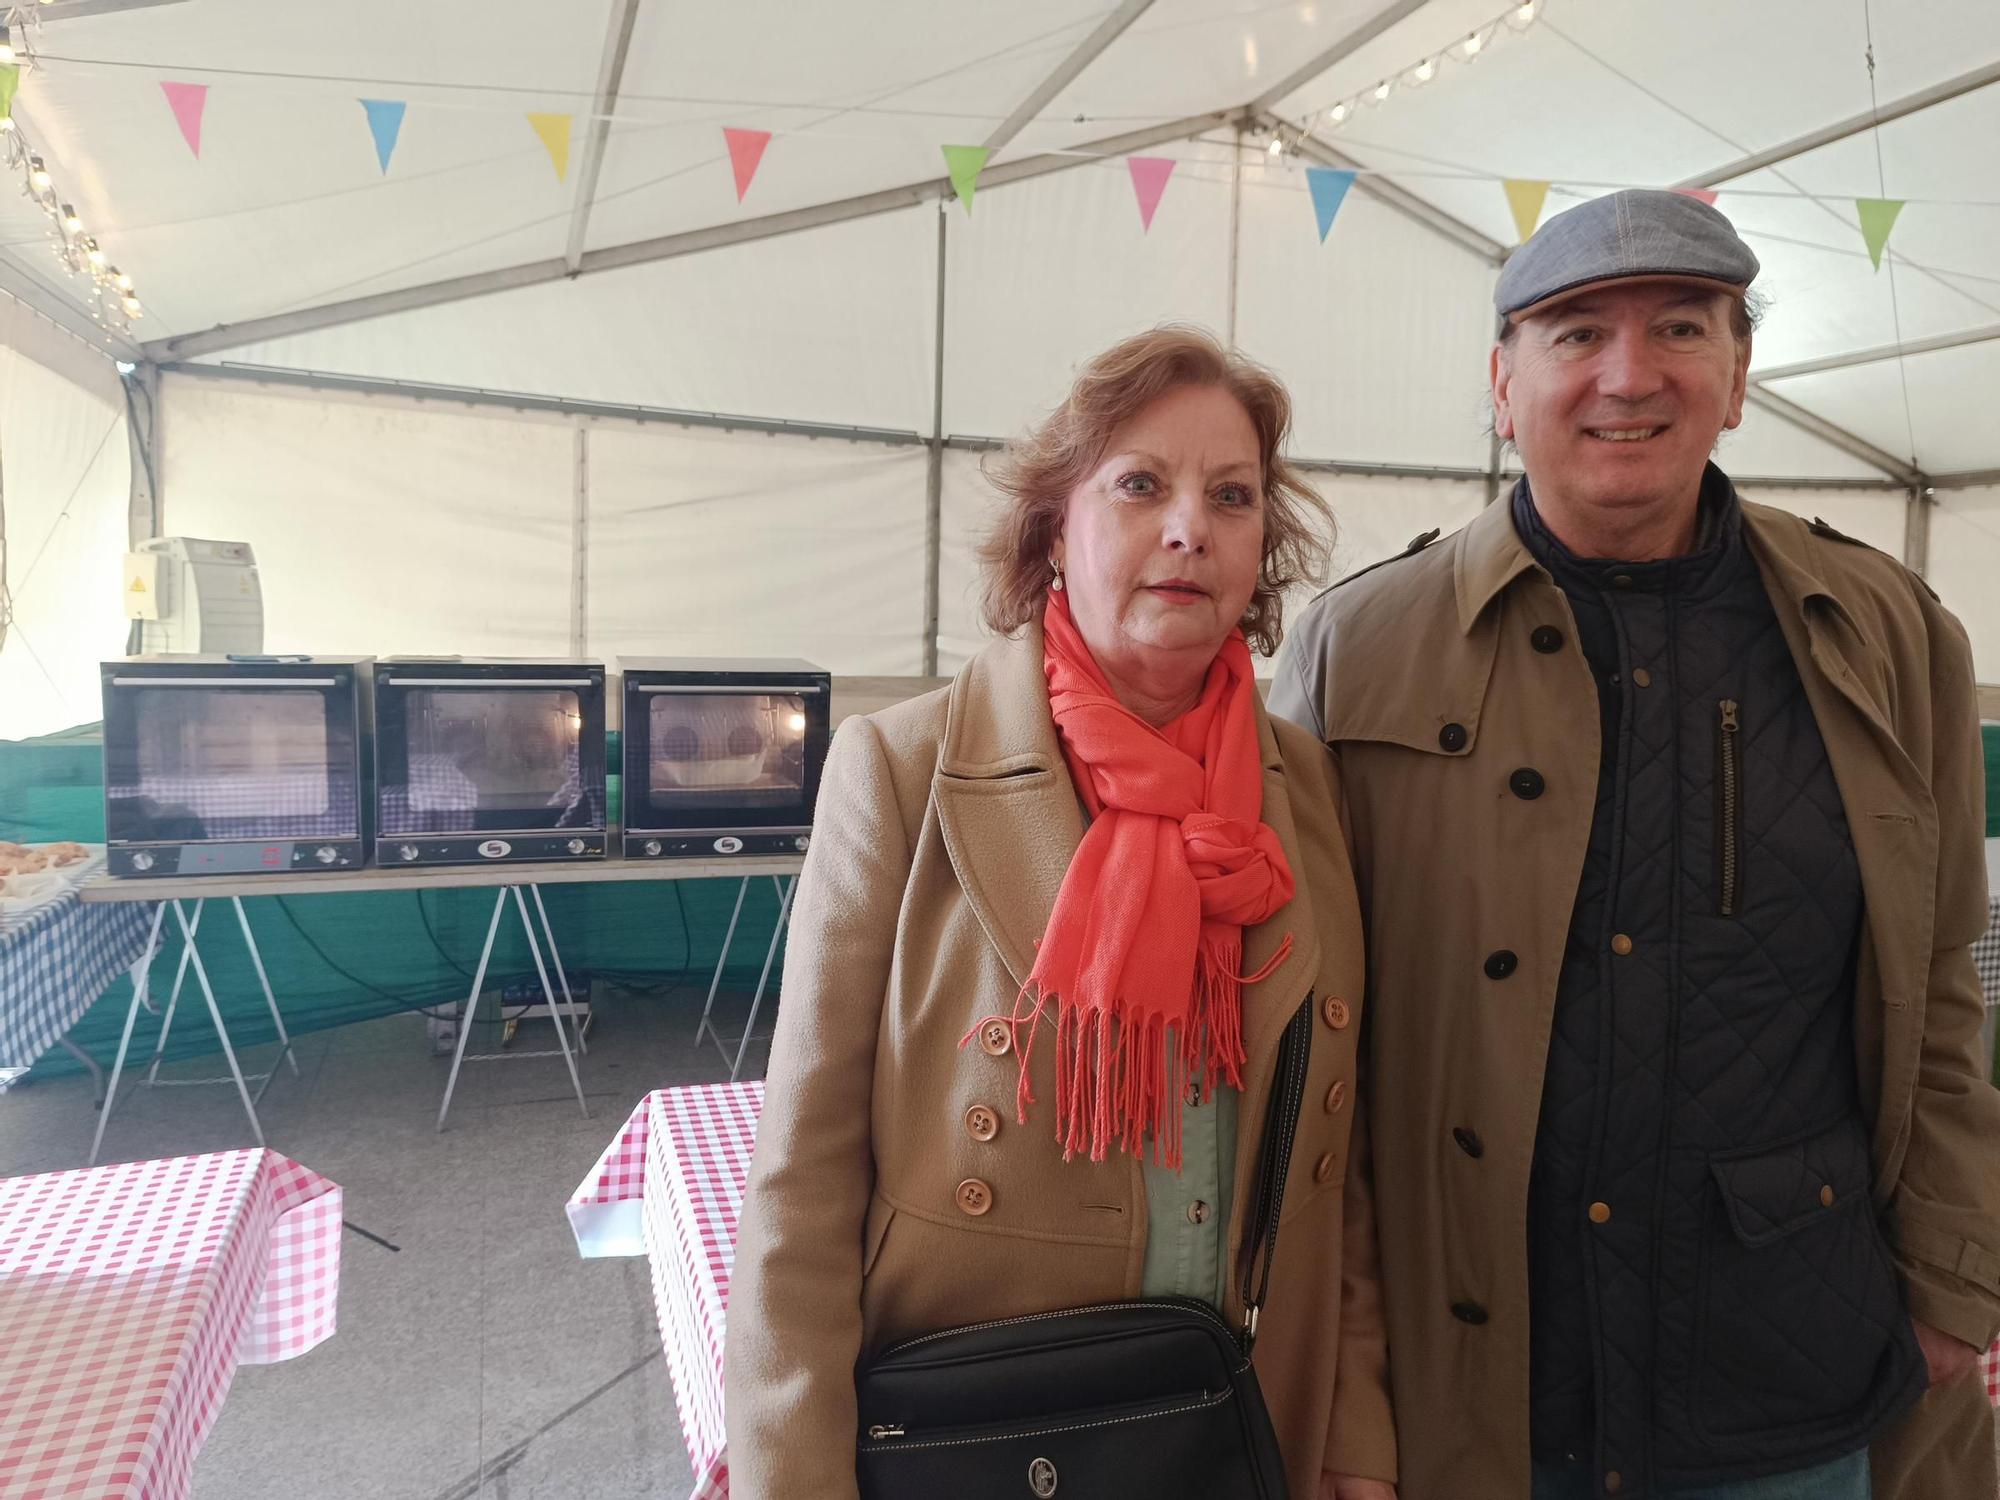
(1015, 1052)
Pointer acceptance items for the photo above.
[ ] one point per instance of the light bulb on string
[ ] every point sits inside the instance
(7, 57)
(1381, 91)
(1525, 12)
(1471, 45)
(1277, 146)
(119, 279)
(93, 254)
(39, 175)
(70, 222)
(131, 305)
(1337, 114)
(1423, 72)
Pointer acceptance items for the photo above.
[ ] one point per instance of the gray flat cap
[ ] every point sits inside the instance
(1640, 234)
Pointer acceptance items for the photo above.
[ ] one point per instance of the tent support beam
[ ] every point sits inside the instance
(1917, 529)
(934, 467)
(610, 73)
(1895, 109)
(1840, 437)
(1354, 41)
(1970, 479)
(1108, 31)
(666, 247)
(1957, 340)
(1401, 199)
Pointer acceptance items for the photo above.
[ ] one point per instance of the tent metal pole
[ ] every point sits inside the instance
(1895, 109)
(610, 73)
(1235, 235)
(1917, 529)
(1108, 31)
(579, 541)
(934, 469)
(1840, 437)
(1969, 479)
(1959, 340)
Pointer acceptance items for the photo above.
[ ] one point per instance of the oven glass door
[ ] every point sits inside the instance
(714, 759)
(476, 759)
(192, 760)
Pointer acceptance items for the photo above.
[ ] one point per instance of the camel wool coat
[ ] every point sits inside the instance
(881, 1206)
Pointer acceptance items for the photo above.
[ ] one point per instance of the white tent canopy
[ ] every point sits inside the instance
(460, 403)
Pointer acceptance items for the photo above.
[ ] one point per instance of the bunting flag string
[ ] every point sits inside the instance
(1878, 217)
(554, 132)
(964, 164)
(187, 100)
(385, 124)
(746, 150)
(1149, 184)
(1525, 198)
(1328, 186)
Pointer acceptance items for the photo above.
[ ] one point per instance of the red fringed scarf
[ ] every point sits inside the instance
(1142, 955)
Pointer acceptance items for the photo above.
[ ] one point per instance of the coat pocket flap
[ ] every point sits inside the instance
(1778, 1190)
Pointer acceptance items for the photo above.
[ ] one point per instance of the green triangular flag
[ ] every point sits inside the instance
(10, 80)
(965, 163)
(1878, 217)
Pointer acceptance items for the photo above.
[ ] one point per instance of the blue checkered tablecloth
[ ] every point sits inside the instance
(54, 962)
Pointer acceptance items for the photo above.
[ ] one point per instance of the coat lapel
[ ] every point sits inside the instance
(1268, 1005)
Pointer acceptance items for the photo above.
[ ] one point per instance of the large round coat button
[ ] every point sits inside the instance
(1336, 1096)
(981, 1123)
(974, 1197)
(1468, 1142)
(1323, 1168)
(996, 1037)
(1452, 737)
(1527, 783)
(1501, 963)
(1547, 639)
(1336, 1012)
(1468, 1312)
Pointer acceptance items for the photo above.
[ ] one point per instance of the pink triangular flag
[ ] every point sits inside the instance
(1149, 181)
(746, 149)
(1706, 195)
(187, 101)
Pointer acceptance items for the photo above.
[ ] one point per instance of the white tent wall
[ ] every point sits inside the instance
(65, 476)
(1965, 536)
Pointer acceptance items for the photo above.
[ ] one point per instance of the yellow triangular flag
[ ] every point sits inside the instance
(554, 131)
(1526, 199)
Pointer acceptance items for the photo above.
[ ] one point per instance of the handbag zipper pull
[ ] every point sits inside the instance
(886, 1430)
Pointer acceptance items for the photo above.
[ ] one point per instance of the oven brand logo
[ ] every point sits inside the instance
(496, 849)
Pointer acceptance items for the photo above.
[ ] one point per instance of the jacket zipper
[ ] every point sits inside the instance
(1729, 819)
(896, 1434)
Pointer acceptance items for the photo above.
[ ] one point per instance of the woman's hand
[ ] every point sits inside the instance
(1347, 1487)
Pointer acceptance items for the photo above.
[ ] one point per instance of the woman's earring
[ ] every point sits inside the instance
(1056, 583)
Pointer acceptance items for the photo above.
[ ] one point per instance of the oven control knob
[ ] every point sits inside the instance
(652, 846)
(576, 846)
(800, 842)
(407, 852)
(142, 861)
(326, 854)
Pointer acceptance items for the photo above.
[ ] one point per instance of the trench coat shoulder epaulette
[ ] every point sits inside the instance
(1820, 528)
(1417, 544)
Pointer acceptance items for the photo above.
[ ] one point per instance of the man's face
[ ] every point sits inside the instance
(1616, 397)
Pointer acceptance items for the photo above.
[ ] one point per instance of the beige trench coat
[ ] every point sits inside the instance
(1452, 868)
(943, 831)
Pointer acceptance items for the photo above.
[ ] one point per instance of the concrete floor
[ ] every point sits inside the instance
(482, 1357)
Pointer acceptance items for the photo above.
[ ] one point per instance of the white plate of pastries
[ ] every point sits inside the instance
(31, 874)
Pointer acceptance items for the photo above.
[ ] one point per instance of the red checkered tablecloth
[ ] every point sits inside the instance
(129, 1294)
(670, 1186)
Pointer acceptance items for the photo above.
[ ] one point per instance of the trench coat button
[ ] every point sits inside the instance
(1336, 1012)
(1501, 963)
(1621, 580)
(1197, 1212)
(1323, 1168)
(1600, 1213)
(1613, 1482)
(1527, 783)
(1641, 677)
(1452, 737)
(996, 1037)
(981, 1123)
(1826, 1196)
(1547, 639)
(1621, 944)
(1469, 1312)
(974, 1197)
(1469, 1142)
(1336, 1096)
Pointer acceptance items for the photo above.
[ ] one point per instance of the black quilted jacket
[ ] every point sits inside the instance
(1711, 1294)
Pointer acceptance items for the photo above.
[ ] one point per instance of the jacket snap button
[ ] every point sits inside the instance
(1547, 639)
(1826, 1196)
(996, 1037)
(981, 1123)
(1336, 1012)
(1600, 1213)
(1621, 945)
(1613, 1482)
(1641, 677)
(974, 1196)
(1469, 1142)
(1469, 1312)
(1452, 737)
(1527, 783)
(1502, 963)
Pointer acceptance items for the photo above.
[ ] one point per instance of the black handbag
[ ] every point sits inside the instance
(1153, 1396)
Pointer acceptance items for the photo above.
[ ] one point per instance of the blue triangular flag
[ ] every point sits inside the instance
(385, 123)
(1329, 186)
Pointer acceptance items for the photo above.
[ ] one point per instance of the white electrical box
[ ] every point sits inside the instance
(194, 595)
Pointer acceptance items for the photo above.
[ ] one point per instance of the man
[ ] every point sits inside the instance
(1667, 813)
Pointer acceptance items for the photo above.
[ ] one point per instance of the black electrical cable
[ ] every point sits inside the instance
(401, 1002)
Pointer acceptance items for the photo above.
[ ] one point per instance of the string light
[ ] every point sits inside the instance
(1518, 16)
(1277, 146)
(70, 221)
(7, 58)
(39, 174)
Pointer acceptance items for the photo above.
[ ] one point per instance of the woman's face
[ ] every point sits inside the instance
(1161, 545)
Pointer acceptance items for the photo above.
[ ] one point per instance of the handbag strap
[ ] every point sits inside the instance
(1274, 1161)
